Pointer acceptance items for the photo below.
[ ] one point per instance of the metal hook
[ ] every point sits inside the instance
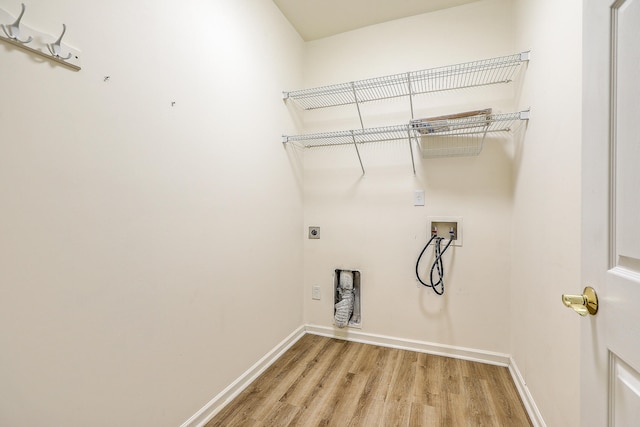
(13, 31)
(55, 48)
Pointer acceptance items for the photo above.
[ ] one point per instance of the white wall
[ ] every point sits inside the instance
(369, 222)
(519, 199)
(546, 216)
(140, 242)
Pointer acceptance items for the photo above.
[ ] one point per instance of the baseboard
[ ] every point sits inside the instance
(525, 395)
(216, 404)
(473, 355)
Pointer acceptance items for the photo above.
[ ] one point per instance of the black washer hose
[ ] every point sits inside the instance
(437, 286)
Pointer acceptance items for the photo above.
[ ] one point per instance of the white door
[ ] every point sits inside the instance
(610, 364)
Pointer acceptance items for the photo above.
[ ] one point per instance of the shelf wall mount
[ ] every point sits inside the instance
(20, 35)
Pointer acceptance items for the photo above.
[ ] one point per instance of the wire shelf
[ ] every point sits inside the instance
(459, 76)
(357, 136)
(420, 128)
(462, 136)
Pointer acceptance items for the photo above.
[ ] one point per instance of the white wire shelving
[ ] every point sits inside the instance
(463, 136)
(450, 136)
(355, 137)
(420, 128)
(459, 76)
(437, 138)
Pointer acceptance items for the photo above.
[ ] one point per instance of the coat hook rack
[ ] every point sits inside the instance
(55, 48)
(57, 52)
(13, 31)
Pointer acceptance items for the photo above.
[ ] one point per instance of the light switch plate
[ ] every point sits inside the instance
(418, 198)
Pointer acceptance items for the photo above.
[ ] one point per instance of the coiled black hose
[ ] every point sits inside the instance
(437, 286)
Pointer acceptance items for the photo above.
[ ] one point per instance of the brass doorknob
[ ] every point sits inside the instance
(584, 304)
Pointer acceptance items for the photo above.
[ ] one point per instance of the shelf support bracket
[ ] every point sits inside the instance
(355, 98)
(355, 144)
(413, 163)
(410, 98)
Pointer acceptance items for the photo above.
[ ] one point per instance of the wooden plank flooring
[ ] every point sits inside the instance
(327, 382)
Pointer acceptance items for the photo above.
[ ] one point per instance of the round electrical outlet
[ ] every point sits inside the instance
(314, 232)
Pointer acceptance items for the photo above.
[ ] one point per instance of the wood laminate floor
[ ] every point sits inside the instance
(322, 381)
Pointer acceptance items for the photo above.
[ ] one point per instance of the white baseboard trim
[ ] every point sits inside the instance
(470, 354)
(216, 404)
(525, 395)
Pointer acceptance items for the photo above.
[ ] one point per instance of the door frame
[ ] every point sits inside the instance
(596, 212)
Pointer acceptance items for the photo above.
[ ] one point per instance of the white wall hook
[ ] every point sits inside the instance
(55, 48)
(13, 31)
(14, 34)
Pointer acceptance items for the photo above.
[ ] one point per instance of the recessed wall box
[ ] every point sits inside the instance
(443, 224)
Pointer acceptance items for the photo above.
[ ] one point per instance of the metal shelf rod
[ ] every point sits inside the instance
(355, 97)
(357, 152)
(413, 163)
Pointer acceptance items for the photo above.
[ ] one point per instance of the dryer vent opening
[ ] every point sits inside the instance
(347, 298)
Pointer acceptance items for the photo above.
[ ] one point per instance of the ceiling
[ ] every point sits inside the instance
(315, 19)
